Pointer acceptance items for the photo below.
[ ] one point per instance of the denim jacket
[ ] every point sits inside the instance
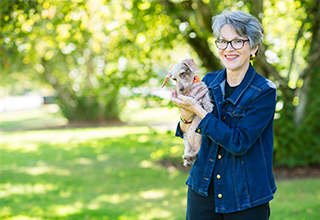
(237, 143)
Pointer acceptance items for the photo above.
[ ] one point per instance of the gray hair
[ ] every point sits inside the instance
(243, 23)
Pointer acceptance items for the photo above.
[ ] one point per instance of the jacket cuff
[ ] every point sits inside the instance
(201, 129)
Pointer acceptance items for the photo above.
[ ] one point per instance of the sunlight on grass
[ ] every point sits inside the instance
(152, 194)
(155, 213)
(65, 210)
(145, 164)
(23, 217)
(113, 199)
(44, 117)
(67, 135)
(9, 189)
(44, 169)
(151, 115)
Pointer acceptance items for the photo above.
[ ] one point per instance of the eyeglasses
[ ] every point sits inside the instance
(235, 44)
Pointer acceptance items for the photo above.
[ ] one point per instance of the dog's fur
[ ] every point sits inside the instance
(184, 74)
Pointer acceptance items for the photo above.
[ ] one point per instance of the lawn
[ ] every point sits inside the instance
(109, 173)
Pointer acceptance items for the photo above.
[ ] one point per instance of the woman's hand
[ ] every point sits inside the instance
(198, 91)
(189, 105)
(186, 115)
(185, 102)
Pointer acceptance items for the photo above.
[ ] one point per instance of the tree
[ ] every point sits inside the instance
(94, 53)
(91, 52)
(298, 127)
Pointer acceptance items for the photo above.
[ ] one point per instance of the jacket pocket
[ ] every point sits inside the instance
(234, 116)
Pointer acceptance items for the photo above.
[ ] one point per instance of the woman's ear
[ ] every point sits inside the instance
(254, 52)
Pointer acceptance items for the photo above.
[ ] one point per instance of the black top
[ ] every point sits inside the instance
(229, 89)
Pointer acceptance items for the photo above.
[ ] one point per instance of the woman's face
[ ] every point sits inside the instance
(235, 60)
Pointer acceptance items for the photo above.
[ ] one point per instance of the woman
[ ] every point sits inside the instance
(232, 177)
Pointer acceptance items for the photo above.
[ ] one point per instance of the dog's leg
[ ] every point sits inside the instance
(196, 146)
(192, 141)
(207, 105)
(187, 156)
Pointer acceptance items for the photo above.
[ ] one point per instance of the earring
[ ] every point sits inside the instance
(253, 56)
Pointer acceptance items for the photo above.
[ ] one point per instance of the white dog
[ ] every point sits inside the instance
(184, 75)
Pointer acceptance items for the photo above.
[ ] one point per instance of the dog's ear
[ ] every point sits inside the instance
(166, 79)
(191, 65)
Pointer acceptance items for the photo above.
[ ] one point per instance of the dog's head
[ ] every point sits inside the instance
(184, 74)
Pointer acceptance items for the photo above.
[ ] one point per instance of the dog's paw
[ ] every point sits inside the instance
(187, 156)
(187, 163)
(195, 156)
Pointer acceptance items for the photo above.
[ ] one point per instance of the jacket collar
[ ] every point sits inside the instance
(219, 81)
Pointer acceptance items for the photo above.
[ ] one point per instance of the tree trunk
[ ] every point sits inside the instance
(311, 74)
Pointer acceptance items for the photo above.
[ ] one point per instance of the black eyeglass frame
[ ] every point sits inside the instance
(230, 42)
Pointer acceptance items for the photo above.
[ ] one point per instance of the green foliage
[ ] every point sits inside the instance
(297, 130)
(90, 53)
(92, 56)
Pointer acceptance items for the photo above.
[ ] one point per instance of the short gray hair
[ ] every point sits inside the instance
(243, 23)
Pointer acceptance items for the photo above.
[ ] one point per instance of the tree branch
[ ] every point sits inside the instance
(201, 46)
(313, 55)
(295, 45)
(200, 42)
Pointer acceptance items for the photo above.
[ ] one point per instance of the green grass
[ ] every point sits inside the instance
(110, 173)
(61, 176)
(297, 200)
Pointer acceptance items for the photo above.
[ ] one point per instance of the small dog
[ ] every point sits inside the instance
(184, 75)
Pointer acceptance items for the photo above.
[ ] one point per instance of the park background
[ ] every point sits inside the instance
(86, 131)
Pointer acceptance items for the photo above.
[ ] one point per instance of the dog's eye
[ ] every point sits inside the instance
(182, 74)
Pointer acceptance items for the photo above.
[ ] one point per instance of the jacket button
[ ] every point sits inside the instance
(219, 156)
(198, 130)
(223, 118)
(220, 196)
(218, 176)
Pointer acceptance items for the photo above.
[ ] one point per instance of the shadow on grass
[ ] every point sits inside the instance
(107, 178)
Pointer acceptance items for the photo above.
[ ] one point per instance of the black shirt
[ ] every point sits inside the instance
(229, 89)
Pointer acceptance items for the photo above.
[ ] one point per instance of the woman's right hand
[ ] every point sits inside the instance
(185, 114)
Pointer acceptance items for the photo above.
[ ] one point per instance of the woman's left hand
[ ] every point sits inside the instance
(198, 91)
(190, 103)
(187, 103)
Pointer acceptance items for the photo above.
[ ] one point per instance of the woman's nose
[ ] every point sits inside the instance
(229, 47)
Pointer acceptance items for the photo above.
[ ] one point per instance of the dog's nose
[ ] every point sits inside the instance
(181, 88)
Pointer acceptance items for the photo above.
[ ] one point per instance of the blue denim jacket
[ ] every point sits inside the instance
(237, 143)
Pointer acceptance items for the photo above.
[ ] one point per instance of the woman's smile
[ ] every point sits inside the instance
(231, 57)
